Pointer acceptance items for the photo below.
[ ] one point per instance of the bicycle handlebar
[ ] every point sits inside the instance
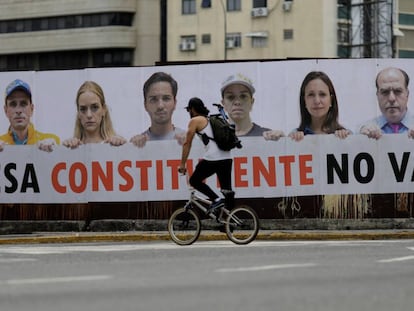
(221, 110)
(226, 118)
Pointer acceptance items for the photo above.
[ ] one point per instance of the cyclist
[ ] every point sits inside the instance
(214, 160)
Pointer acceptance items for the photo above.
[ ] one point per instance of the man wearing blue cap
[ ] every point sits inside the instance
(19, 108)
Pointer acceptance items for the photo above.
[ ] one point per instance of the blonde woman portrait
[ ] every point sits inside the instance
(93, 121)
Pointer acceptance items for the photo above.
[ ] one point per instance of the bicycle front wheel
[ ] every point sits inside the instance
(184, 226)
(242, 225)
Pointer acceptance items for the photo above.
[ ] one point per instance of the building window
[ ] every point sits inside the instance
(112, 58)
(405, 54)
(188, 6)
(343, 33)
(344, 51)
(259, 42)
(344, 11)
(52, 24)
(3, 26)
(44, 24)
(19, 26)
(406, 19)
(233, 5)
(67, 22)
(259, 3)
(63, 60)
(206, 3)
(233, 40)
(61, 21)
(187, 43)
(16, 62)
(288, 34)
(67, 60)
(206, 38)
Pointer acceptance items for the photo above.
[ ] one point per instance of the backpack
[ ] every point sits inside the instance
(224, 134)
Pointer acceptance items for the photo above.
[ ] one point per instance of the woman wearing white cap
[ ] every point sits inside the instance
(237, 98)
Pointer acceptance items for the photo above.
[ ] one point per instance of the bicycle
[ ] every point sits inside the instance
(241, 224)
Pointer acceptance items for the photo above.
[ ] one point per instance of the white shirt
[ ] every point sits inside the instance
(212, 151)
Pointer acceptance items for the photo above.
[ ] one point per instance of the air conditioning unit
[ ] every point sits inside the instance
(259, 12)
(191, 46)
(187, 46)
(230, 43)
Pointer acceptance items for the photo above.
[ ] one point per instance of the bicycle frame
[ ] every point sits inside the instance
(241, 224)
(200, 202)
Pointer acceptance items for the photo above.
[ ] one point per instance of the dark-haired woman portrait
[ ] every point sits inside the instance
(319, 114)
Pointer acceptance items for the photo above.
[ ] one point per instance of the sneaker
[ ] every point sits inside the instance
(215, 206)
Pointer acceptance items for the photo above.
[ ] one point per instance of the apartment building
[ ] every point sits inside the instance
(65, 34)
(404, 29)
(251, 29)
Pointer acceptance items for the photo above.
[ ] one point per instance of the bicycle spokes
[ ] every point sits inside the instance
(184, 226)
(242, 225)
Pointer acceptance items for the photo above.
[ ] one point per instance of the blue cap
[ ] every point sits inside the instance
(18, 85)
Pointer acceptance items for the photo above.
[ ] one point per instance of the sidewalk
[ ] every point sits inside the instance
(20, 232)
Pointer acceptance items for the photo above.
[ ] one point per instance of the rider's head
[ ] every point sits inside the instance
(196, 107)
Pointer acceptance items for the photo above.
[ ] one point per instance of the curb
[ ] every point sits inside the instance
(8, 227)
(207, 235)
(138, 230)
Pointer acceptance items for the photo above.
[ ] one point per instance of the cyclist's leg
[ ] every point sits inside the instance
(229, 198)
(224, 168)
(203, 170)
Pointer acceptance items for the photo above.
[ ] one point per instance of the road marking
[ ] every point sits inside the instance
(104, 247)
(269, 267)
(396, 259)
(66, 279)
(64, 249)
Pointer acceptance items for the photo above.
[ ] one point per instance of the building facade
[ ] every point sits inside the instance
(405, 30)
(279, 29)
(235, 29)
(67, 34)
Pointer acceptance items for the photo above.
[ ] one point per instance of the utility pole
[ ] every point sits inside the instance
(225, 28)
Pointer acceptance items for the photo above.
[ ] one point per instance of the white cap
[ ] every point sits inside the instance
(238, 79)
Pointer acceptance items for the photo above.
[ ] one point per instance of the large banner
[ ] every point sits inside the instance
(320, 164)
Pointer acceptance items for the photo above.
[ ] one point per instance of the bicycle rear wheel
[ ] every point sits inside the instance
(184, 226)
(242, 225)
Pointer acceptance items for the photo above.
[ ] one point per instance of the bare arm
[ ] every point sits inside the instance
(193, 126)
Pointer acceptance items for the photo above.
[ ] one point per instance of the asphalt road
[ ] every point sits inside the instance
(291, 275)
